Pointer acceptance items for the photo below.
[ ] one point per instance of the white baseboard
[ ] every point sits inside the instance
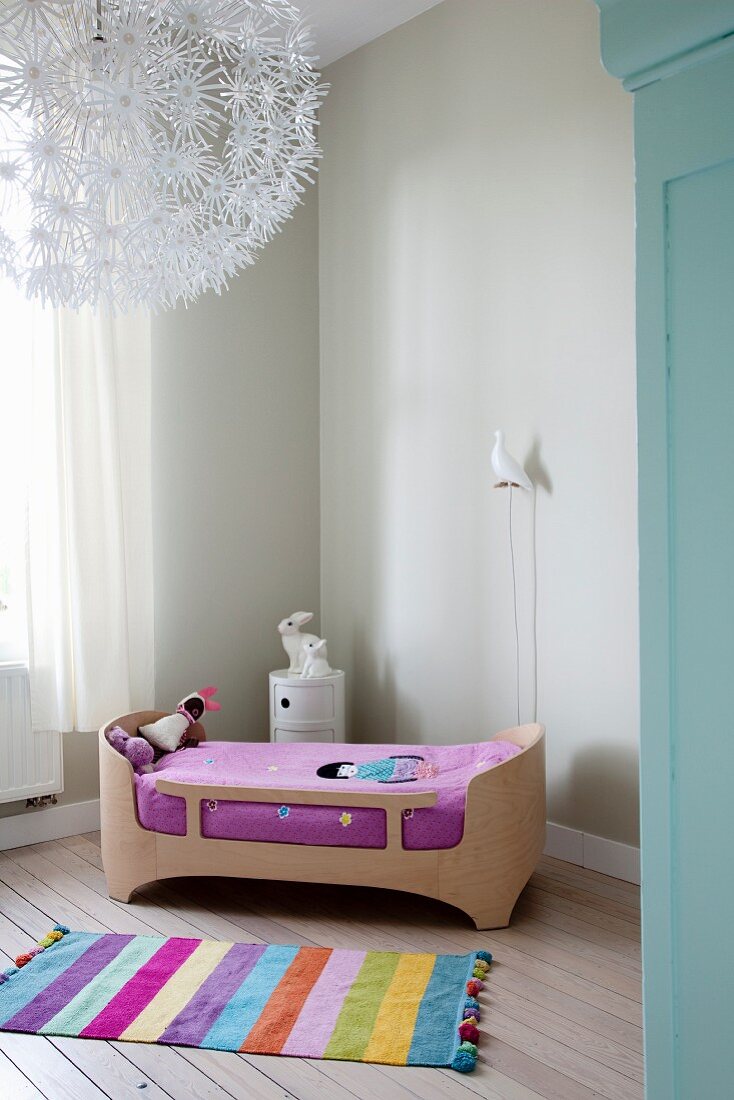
(609, 857)
(53, 823)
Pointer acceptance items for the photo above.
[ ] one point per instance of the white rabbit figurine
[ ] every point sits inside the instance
(293, 641)
(316, 661)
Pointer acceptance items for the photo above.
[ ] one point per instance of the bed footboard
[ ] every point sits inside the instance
(504, 834)
(483, 875)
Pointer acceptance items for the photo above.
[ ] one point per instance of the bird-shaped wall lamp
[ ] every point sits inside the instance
(509, 472)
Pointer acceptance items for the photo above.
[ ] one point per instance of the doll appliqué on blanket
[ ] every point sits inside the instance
(392, 769)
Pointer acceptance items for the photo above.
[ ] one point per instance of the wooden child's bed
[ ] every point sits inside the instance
(483, 874)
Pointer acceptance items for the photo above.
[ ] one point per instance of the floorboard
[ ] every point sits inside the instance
(563, 1020)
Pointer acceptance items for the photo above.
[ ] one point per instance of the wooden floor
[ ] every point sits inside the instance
(562, 1016)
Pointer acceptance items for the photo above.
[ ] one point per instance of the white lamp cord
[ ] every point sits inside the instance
(514, 604)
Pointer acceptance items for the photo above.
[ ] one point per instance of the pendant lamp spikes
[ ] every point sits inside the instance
(149, 148)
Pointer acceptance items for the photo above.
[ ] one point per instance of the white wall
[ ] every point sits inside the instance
(236, 478)
(477, 267)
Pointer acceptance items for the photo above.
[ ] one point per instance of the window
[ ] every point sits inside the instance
(16, 320)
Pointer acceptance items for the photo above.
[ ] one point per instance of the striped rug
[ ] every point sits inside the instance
(309, 1002)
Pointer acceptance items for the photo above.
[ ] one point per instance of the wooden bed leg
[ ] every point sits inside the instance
(488, 918)
(122, 891)
(122, 874)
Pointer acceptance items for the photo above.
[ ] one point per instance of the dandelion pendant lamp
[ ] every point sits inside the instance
(149, 148)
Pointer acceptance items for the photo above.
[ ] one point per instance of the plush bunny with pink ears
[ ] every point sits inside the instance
(169, 733)
(204, 696)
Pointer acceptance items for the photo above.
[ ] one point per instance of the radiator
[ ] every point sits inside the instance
(30, 763)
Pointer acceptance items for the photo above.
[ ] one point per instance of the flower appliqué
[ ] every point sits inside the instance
(407, 814)
(272, 767)
(283, 812)
(210, 760)
(346, 819)
(211, 804)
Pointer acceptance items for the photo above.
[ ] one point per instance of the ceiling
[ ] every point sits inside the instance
(344, 25)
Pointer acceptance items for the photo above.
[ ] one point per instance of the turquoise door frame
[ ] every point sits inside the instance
(677, 56)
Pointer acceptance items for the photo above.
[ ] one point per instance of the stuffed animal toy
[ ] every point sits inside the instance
(137, 750)
(171, 732)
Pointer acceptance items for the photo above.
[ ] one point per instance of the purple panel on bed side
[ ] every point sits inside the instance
(333, 826)
(163, 813)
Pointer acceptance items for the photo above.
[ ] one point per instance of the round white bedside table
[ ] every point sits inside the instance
(306, 710)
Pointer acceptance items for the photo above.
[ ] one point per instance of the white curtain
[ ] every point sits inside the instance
(90, 571)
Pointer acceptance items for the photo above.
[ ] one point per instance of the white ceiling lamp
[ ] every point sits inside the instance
(149, 148)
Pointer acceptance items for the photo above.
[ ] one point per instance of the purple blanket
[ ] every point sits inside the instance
(446, 769)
